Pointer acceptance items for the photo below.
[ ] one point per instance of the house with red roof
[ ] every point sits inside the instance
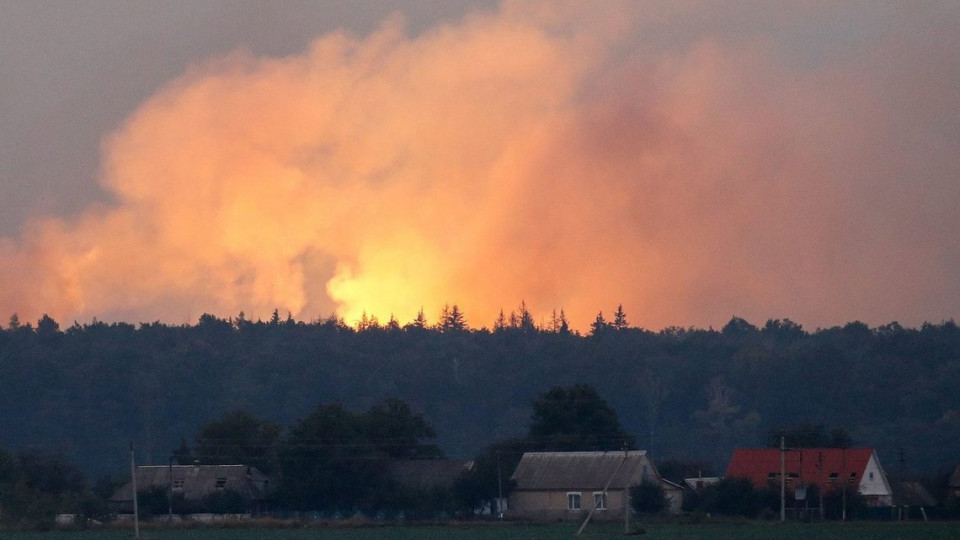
(827, 468)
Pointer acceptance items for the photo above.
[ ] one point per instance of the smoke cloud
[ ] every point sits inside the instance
(691, 164)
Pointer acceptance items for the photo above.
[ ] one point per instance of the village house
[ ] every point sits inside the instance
(700, 484)
(827, 468)
(912, 500)
(431, 478)
(196, 483)
(954, 482)
(426, 474)
(569, 485)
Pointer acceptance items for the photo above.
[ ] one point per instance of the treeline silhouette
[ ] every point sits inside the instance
(682, 393)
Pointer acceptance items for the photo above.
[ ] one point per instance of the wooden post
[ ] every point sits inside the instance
(170, 490)
(843, 457)
(783, 484)
(499, 489)
(820, 481)
(604, 494)
(626, 511)
(133, 486)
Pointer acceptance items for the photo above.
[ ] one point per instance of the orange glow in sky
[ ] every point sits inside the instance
(547, 152)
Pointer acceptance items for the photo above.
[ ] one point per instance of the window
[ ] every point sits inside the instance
(573, 501)
(833, 477)
(221, 482)
(853, 477)
(178, 485)
(599, 500)
(871, 475)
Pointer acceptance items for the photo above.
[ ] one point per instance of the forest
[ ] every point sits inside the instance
(87, 391)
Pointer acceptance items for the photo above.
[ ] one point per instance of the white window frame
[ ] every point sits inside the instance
(599, 500)
(574, 501)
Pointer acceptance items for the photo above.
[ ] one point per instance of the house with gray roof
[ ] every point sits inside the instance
(196, 483)
(425, 474)
(569, 485)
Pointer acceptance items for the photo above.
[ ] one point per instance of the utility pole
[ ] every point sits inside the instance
(133, 486)
(170, 490)
(820, 481)
(802, 486)
(783, 483)
(499, 488)
(843, 457)
(901, 490)
(603, 497)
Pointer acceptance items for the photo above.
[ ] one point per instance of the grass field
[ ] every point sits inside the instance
(740, 531)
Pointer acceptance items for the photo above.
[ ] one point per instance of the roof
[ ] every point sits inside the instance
(427, 473)
(198, 481)
(955, 478)
(582, 470)
(809, 465)
(912, 494)
(668, 485)
(700, 482)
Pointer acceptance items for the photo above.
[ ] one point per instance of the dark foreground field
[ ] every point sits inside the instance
(739, 531)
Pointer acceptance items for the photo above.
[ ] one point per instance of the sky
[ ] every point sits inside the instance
(691, 161)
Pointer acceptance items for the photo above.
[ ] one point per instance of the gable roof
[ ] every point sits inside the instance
(809, 465)
(197, 481)
(912, 494)
(955, 478)
(582, 470)
(700, 482)
(427, 473)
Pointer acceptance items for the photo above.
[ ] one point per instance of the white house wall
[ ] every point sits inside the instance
(874, 481)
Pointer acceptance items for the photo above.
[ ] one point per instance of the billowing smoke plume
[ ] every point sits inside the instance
(691, 164)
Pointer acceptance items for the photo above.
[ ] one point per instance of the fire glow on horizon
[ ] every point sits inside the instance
(556, 155)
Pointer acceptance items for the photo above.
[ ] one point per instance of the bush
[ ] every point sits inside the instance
(732, 497)
(226, 501)
(647, 498)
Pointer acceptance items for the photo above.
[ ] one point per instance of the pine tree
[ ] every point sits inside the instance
(599, 325)
(421, 320)
(367, 322)
(454, 320)
(620, 318)
(500, 323)
(444, 316)
(393, 324)
(564, 326)
(526, 319)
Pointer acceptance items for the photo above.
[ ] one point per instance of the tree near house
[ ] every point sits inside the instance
(576, 418)
(238, 437)
(573, 418)
(490, 477)
(35, 486)
(647, 498)
(398, 432)
(336, 459)
(807, 435)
